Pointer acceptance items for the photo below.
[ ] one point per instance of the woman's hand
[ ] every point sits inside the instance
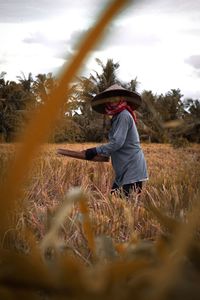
(90, 153)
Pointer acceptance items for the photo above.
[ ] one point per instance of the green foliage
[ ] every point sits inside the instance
(170, 105)
(192, 130)
(14, 100)
(66, 130)
(90, 129)
(166, 118)
(18, 101)
(87, 88)
(180, 142)
(42, 86)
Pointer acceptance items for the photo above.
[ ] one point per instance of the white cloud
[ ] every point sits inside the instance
(155, 41)
(35, 10)
(194, 60)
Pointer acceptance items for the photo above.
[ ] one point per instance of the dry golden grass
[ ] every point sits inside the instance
(135, 236)
(173, 178)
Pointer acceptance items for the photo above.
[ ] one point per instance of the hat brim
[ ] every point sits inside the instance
(99, 102)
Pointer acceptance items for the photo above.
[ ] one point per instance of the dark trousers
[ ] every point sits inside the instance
(127, 189)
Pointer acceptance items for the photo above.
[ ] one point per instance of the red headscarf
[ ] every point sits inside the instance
(113, 108)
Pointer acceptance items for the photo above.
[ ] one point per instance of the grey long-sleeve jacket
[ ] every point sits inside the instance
(124, 148)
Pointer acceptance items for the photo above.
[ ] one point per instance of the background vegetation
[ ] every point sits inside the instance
(78, 123)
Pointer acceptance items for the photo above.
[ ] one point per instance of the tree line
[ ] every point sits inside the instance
(161, 118)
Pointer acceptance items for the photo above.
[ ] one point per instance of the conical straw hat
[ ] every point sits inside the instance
(98, 103)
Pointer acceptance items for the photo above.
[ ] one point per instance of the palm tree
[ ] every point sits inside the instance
(96, 83)
(26, 82)
(132, 85)
(13, 103)
(108, 75)
(42, 86)
(170, 105)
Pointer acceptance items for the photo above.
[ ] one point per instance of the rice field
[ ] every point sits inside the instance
(173, 180)
(86, 227)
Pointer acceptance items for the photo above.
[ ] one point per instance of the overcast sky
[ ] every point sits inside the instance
(156, 41)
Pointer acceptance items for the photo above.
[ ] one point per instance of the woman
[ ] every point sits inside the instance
(124, 144)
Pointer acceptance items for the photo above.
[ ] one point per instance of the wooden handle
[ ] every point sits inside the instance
(81, 155)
